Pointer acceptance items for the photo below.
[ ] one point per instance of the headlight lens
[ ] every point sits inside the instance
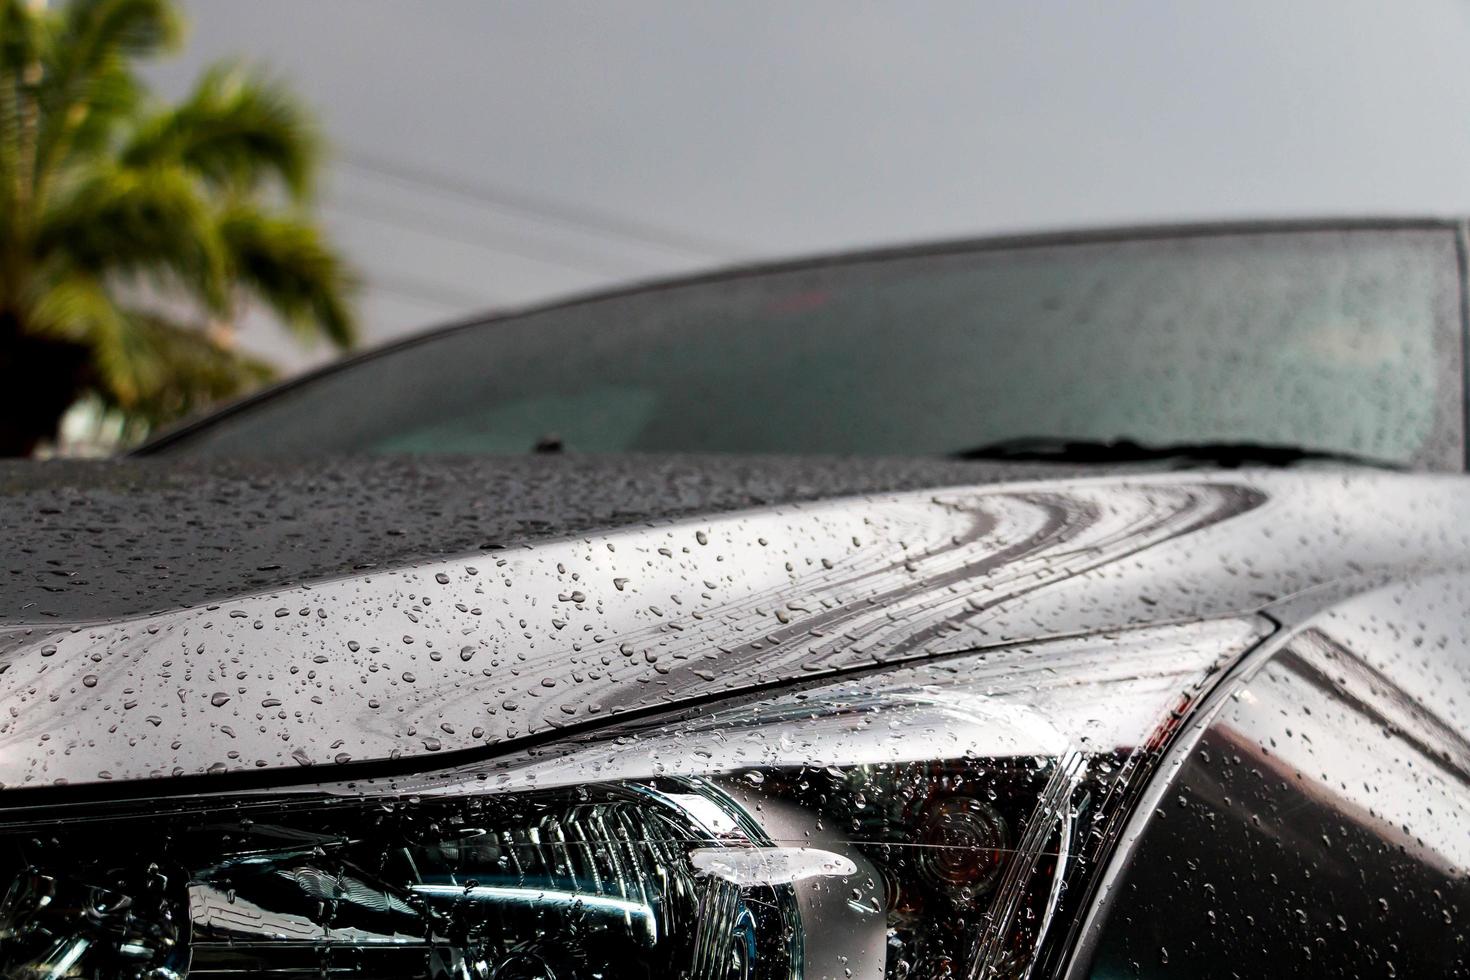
(923, 821)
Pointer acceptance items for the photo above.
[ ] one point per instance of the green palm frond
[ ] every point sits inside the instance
(78, 309)
(18, 33)
(142, 362)
(154, 223)
(96, 29)
(114, 96)
(88, 62)
(179, 369)
(287, 265)
(115, 210)
(21, 43)
(236, 129)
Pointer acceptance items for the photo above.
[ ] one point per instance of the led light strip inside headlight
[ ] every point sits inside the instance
(926, 821)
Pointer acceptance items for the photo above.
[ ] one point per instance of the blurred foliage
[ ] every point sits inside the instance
(133, 234)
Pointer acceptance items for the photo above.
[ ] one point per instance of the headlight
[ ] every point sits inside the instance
(941, 819)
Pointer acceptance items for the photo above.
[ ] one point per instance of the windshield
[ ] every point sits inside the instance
(1342, 341)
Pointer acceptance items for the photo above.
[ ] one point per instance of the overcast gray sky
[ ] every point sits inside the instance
(492, 154)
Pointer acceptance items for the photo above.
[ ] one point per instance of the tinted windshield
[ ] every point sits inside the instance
(1341, 341)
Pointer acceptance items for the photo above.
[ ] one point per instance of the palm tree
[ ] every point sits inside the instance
(133, 234)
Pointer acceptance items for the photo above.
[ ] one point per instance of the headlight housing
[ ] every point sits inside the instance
(932, 820)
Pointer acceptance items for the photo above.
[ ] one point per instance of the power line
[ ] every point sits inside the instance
(576, 217)
(356, 207)
(435, 294)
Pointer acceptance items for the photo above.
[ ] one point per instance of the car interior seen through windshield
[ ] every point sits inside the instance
(1338, 341)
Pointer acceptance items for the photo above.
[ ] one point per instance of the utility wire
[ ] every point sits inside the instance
(352, 206)
(432, 293)
(575, 217)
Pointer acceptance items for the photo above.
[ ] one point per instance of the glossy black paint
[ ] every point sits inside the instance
(314, 621)
(414, 659)
(91, 540)
(1316, 825)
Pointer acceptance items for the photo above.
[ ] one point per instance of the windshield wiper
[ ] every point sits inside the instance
(1228, 455)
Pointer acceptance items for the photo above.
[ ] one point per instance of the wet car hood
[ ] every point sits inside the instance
(165, 618)
(96, 539)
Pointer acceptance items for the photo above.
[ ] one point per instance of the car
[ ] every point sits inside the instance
(1082, 605)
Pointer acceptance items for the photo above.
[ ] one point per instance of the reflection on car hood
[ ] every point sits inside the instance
(93, 540)
(177, 620)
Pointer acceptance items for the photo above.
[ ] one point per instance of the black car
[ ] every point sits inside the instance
(1072, 606)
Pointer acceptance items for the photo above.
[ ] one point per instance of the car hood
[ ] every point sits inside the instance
(167, 619)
